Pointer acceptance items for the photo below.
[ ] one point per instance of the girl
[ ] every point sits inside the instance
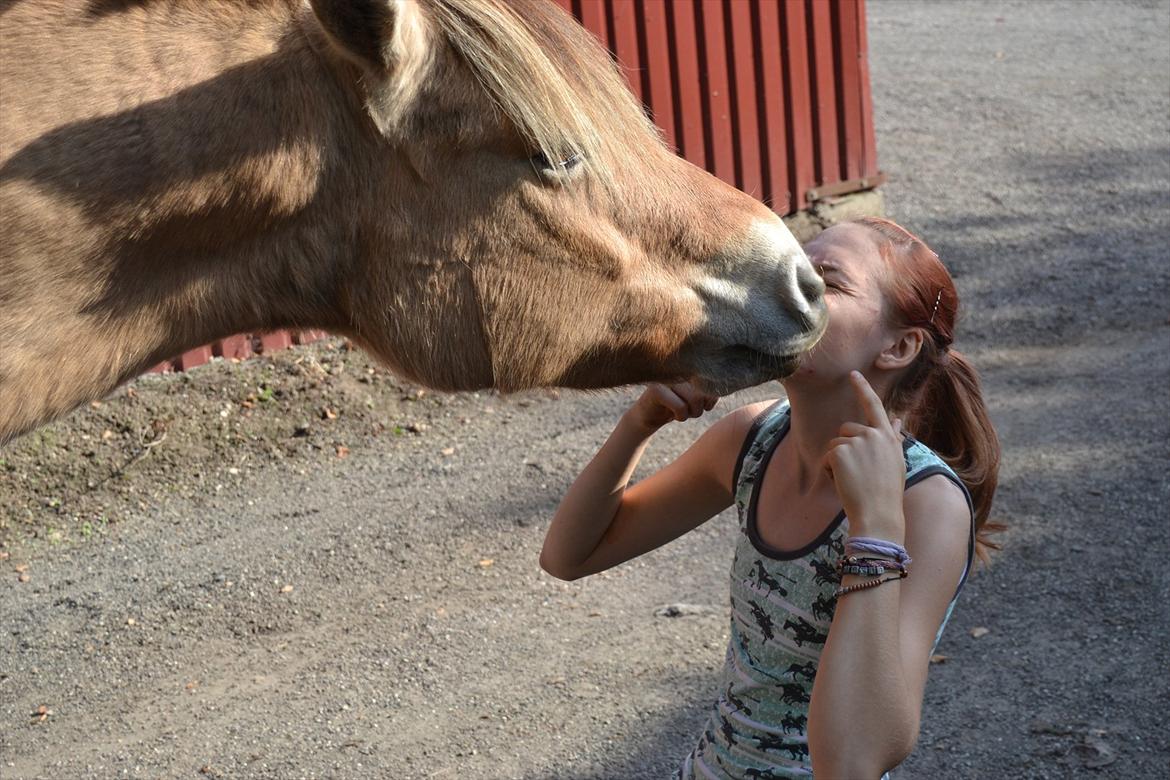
(862, 500)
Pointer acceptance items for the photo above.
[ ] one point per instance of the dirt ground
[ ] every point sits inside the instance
(298, 567)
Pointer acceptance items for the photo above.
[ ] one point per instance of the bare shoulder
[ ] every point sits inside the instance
(722, 442)
(937, 501)
(938, 525)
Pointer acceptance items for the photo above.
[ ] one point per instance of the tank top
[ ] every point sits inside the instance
(782, 604)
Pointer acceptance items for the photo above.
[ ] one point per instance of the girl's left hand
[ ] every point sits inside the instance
(868, 468)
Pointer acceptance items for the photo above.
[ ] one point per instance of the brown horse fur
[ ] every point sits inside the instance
(176, 171)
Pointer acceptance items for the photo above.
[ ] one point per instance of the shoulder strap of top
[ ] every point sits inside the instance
(760, 427)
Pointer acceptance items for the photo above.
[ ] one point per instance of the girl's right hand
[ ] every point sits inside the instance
(661, 404)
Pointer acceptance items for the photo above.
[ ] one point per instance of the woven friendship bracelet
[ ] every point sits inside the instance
(855, 545)
(867, 584)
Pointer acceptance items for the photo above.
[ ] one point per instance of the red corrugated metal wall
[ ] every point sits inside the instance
(771, 96)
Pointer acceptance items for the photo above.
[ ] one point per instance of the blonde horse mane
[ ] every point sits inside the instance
(544, 77)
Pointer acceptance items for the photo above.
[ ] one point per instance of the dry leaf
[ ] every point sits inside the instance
(939, 658)
(486, 562)
(980, 631)
(22, 578)
(4, 555)
(328, 414)
(192, 685)
(447, 451)
(342, 451)
(20, 568)
(95, 404)
(287, 589)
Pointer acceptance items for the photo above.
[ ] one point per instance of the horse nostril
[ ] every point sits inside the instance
(810, 283)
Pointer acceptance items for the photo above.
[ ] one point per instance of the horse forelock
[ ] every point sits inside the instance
(552, 80)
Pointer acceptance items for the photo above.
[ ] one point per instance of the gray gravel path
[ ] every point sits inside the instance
(1030, 144)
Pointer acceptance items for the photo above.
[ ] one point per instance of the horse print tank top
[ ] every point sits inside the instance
(782, 604)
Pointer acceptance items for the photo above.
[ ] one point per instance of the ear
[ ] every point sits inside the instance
(900, 352)
(383, 36)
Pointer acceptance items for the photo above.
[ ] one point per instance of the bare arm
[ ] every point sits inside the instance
(600, 523)
(867, 697)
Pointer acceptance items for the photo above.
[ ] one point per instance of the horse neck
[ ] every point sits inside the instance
(245, 194)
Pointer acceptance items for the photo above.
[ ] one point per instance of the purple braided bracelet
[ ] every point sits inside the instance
(867, 544)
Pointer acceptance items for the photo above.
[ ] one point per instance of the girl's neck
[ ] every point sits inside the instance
(816, 417)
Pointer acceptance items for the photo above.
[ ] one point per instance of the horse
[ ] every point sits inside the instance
(464, 188)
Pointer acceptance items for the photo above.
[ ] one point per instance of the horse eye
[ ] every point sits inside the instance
(541, 162)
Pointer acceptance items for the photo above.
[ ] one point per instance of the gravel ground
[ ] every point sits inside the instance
(317, 572)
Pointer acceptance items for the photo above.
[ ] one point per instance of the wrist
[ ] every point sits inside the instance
(636, 423)
(888, 526)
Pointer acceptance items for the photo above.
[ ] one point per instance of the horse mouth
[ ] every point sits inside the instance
(740, 366)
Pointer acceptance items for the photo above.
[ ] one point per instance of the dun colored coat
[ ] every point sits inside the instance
(464, 187)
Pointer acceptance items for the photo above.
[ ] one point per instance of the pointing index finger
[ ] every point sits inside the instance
(875, 412)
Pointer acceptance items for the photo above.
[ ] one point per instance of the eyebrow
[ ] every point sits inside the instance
(828, 265)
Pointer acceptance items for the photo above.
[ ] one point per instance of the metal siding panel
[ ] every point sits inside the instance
(721, 159)
(660, 95)
(238, 347)
(869, 165)
(801, 165)
(566, 4)
(275, 340)
(193, 357)
(848, 48)
(691, 138)
(625, 42)
(592, 15)
(824, 80)
(774, 98)
(746, 94)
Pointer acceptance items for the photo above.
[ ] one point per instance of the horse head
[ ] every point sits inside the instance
(523, 224)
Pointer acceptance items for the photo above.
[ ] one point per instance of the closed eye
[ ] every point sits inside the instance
(829, 284)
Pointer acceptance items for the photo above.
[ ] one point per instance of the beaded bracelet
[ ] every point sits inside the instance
(867, 584)
(853, 564)
(867, 570)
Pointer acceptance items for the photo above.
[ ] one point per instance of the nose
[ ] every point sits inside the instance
(805, 295)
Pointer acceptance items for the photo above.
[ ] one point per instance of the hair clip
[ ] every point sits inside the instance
(934, 311)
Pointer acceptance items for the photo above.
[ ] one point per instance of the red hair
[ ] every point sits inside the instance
(939, 395)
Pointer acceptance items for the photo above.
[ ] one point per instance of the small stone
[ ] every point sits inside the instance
(980, 631)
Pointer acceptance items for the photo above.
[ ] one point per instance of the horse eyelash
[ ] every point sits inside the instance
(541, 162)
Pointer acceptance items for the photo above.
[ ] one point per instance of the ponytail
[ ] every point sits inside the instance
(946, 413)
(939, 395)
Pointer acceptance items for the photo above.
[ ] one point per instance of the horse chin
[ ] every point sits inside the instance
(740, 367)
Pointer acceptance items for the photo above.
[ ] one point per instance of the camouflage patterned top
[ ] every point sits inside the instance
(782, 604)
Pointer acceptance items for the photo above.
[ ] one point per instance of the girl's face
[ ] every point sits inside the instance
(847, 258)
